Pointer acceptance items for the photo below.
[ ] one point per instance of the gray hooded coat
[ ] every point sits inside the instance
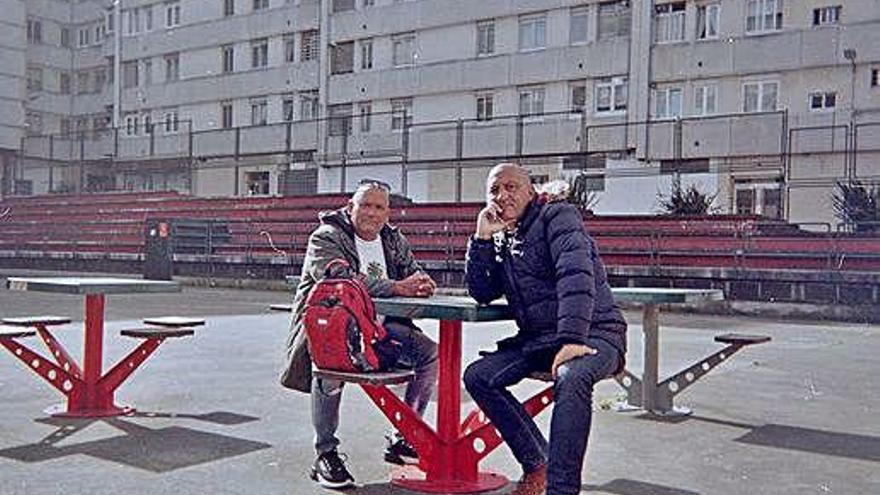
(334, 239)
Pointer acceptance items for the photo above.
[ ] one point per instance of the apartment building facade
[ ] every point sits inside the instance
(766, 102)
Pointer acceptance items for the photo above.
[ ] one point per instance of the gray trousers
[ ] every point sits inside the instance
(418, 353)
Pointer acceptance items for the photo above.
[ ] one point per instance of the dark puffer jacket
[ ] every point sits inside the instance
(552, 276)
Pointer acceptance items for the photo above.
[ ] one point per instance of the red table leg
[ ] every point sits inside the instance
(94, 399)
(452, 465)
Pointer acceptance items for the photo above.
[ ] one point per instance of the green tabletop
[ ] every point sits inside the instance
(651, 295)
(90, 285)
(440, 307)
(463, 308)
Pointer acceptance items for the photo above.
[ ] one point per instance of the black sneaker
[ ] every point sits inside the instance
(330, 472)
(399, 451)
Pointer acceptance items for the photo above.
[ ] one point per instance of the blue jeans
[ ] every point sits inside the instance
(418, 353)
(487, 380)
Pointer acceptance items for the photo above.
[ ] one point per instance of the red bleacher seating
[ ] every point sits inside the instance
(114, 223)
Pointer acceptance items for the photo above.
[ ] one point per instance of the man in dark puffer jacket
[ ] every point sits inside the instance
(537, 253)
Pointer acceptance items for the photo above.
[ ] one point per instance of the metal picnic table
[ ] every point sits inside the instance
(89, 392)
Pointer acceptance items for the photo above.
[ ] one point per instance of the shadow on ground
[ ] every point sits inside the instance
(156, 450)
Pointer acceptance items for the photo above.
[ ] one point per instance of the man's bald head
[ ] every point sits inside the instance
(510, 169)
(510, 188)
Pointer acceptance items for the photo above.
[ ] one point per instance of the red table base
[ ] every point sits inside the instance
(413, 478)
(449, 456)
(90, 394)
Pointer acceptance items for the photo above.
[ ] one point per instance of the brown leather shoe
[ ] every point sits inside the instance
(532, 483)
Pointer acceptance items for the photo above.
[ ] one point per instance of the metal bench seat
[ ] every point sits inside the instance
(9, 332)
(389, 377)
(175, 321)
(156, 332)
(741, 339)
(29, 321)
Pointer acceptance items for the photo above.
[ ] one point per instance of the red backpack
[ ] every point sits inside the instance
(340, 322)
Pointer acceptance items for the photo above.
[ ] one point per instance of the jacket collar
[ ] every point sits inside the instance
(530, 214)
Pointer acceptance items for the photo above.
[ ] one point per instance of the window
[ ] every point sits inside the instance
(578, 96)
(227, 54)
(172, 14)
(340, 119)
(669, 22)
(131, 124)
(148, 17)
(667, 103)
(366, 54)
(228, 8)
(614, 20)
(611, 95)
(33, 124)
(823, 101)
(289, 48)
(343, 5)
(308, 105)
(707, 21)
(259, 111)
(763, 16)
(147, 78)
(65, 37)
(101, 79)
(485, 38)
(226, 114)
(368, 3)
(64, 83)
(533, 32)
(403, 49)
(365, 111)
(82, 81)
(342, 58)
(705, 100)
(34, 79)
(287, 105)
(875, 78)
(172, 67)
(64, 128)
(260, 53)
(130, 74)
(531, 102)
(34, 31)
(760, 96)
(308, 45)
(82, 125)
(109, 21)
(577, 25)
(401, 113)
(753, 198)
(257, 183)
(825, 16)
(170, 121)
(485, 107)
(99, 123)
(261, 4)
(85, 36)
(132, 22)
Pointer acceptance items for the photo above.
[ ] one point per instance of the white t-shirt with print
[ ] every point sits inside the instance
(372, 260)
(371, 257)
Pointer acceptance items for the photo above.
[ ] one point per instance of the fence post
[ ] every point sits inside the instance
(459, 153)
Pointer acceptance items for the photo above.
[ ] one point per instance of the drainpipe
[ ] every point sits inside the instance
(117, 63)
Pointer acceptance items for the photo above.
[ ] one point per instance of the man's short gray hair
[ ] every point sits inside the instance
(366, 186)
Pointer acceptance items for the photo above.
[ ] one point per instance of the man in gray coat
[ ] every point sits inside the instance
(361, 235)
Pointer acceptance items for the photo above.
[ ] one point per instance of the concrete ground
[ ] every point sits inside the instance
(795, 416)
